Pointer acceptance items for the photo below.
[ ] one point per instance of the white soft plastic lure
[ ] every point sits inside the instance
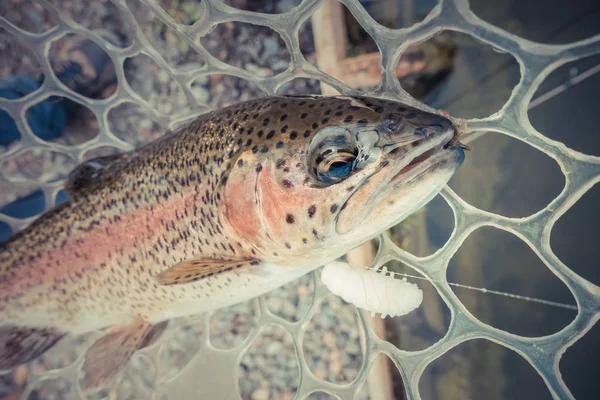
(377, 292)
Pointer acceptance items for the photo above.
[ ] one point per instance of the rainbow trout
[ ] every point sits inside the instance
(235, 204)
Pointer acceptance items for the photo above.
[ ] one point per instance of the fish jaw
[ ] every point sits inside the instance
(400, 188)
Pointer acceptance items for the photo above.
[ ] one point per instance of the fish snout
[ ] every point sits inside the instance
(402, 135)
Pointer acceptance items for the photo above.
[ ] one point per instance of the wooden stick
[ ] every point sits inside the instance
(365, 70)
(380, 377)
(329, 31)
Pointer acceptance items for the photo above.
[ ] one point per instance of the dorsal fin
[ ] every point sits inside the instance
(90, 173)
(303, 96)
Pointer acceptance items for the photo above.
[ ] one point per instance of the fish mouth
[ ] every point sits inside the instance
(395, 183)
(413, 164)
(431, 154)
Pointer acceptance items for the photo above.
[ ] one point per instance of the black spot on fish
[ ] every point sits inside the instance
(303, 115)
(348, 118)
(259, 133)
(293, 135)
(240, 163)
(270, 134)
(266, 121)
(265, 149)
(283, 117)
(255, 149)
(286, 184)
(258, 167)
(339, 113)
(279, 145)
(333, 208)
(306, 133)
(288, 245)
(311, 211)
(248, 142)
(324, 121)
(315, 125)
(290, 219)
(284, 129)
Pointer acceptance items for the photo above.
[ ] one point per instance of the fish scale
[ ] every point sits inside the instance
(234, 204)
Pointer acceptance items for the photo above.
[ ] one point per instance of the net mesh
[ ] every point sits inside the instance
(212, 368)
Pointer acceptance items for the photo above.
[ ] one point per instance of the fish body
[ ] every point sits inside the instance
(236, 203)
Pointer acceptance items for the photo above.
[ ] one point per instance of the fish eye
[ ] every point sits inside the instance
(335, 165)
(391, 124)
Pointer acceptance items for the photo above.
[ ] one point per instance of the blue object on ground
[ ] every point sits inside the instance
(47, 119)
(26, 206)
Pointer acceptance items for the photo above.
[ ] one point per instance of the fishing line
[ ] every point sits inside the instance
(572, 22)
(484, 290)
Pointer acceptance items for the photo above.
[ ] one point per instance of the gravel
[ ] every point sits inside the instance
(269, 369)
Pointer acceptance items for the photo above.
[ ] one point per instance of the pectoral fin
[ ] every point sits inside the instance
(109, 354)
(196, 269)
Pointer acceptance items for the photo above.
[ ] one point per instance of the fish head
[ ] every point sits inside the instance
(336, 172)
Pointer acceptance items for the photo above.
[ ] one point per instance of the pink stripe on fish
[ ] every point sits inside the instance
(87, 252)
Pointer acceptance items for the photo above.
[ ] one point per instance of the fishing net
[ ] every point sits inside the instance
(194, 358)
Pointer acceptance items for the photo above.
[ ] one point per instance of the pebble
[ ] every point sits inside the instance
(330, 339)
(163, 76)
(262, 72)
(271, 47)
(201, 94)
(203, 80)
(260, 394)
(280, 65)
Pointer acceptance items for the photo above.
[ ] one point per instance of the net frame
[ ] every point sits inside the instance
(536, 61)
